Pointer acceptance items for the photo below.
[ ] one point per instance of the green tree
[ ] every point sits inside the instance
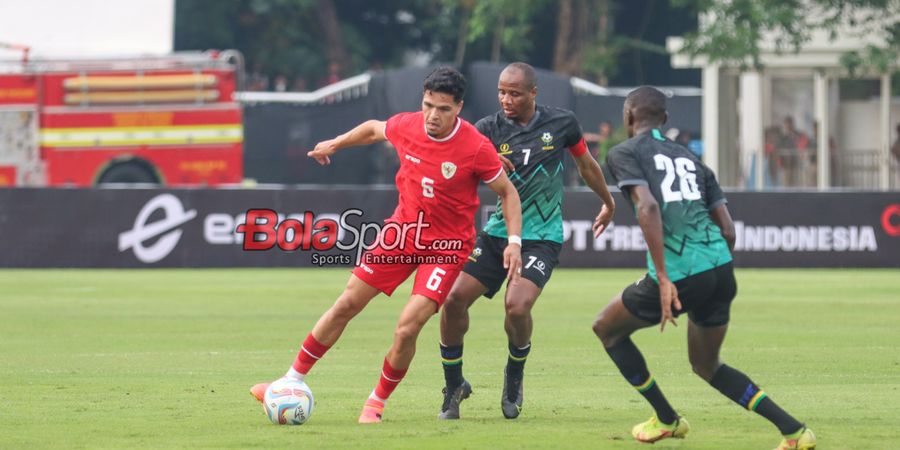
(585, 44)
(301, 38)
(574, 37)
(496, 30)
(734, 29)
(270, 33)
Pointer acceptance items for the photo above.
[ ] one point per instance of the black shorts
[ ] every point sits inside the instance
(485, 263)
(706, 297)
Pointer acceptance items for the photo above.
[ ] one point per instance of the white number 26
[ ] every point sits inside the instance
(685, 170)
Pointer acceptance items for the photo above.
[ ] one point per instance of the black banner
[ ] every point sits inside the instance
(278, 135)
(773, 230)
(197, 227)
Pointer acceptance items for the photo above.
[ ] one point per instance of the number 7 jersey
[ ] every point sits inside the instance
(537, 151)
(686, 191)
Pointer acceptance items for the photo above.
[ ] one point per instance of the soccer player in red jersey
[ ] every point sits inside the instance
(442, 161)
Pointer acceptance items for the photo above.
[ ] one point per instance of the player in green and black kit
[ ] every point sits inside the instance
(689, 232)
(531, 140)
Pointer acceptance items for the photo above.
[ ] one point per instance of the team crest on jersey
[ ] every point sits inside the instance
(448, 169)
(547, 138)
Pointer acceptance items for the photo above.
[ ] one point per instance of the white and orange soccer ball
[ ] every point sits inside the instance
(288, 402)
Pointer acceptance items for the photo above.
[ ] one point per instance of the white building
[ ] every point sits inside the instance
(744, 113)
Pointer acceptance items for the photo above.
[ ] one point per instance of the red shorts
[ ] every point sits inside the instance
(385, 269)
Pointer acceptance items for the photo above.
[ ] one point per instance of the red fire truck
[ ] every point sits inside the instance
(168, 120)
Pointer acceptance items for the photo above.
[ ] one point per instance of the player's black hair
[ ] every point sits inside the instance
(527, 73)
(647, 104)
(446, 80)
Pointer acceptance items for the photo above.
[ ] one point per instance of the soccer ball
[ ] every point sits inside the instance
(288, 402)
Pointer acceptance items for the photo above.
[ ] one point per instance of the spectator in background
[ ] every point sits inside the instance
(601, 142)
(280, 84)
(334, 75)
(773, 158)
(792, 146)
(686, 139)
(299, 85)
(696, 146)
(257, 80)
(604, 140)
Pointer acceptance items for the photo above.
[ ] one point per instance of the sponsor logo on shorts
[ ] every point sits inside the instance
(536, 264)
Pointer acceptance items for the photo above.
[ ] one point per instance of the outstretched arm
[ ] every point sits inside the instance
(650, 219)
(512, 214)
(592, 175)
(366, 133)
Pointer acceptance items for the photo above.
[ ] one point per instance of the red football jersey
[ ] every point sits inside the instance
(440, 176)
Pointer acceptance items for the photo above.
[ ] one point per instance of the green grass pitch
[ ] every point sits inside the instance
(164, 359)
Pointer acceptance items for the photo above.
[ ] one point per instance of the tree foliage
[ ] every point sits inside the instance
(289, 37)
(297, 39)
(734, 29)
(594, 39)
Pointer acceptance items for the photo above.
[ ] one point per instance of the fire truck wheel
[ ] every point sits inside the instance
(131, 172)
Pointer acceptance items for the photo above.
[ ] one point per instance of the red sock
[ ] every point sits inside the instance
(390, 378)
(310, 352)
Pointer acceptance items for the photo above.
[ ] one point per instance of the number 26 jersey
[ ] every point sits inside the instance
(686, 191)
